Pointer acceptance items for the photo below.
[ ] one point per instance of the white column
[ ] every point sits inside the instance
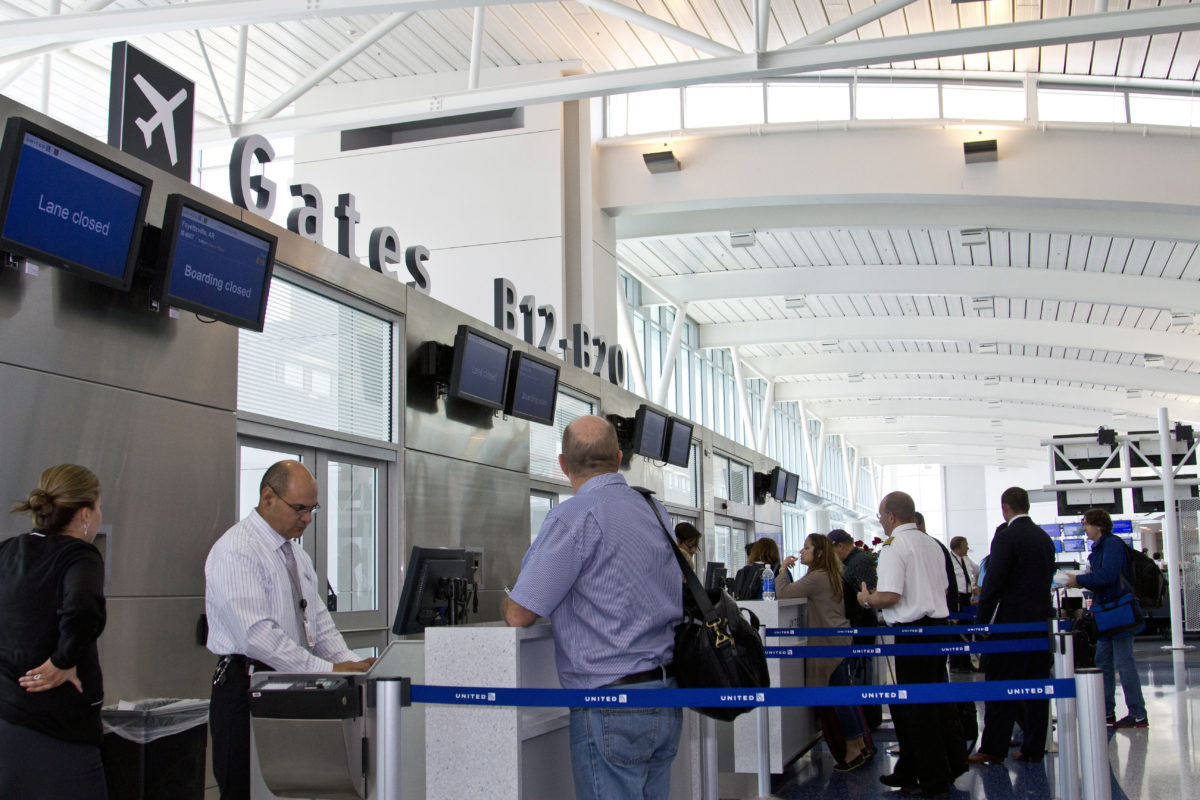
(1170, 529)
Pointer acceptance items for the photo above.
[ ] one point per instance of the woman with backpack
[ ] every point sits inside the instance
(1109, 579)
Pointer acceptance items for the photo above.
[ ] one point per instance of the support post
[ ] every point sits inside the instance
(1068, 740)
(668, 370)
(632, 352)
(764, 751)
(476, 49)
(708, 758)
(1170, 528)
(388, 698)
(1095, 780)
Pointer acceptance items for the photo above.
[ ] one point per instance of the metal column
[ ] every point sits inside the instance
(389, 696)
(1068, 748)
(1095, 779)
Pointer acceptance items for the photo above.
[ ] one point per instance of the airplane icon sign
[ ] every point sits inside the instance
(164, 115)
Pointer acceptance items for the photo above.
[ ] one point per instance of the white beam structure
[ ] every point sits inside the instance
(762, 23)
(1074, 286)
(476, 48)
(973, 364)
(212, 76)
(743, 399)
(952, 329)
(239, 81)
(1072, 397)
(853, 22)
(900, 448)
(959, 459)
(806, 441)
(632, 351)
(841, 55)
(764, 425)
(1067, 419)
(671, 356)
(980, 437)
(341, 59)
(661, 27)
(863, 428)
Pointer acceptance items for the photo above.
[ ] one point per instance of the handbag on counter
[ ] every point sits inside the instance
(715, 646)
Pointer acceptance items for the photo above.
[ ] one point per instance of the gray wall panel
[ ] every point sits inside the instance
(457, 503)
(149, 649)
(166, 468)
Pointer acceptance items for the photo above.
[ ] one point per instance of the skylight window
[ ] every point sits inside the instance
(724, 104)
(808, 102)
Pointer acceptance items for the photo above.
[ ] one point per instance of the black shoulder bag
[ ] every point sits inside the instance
(715, 646)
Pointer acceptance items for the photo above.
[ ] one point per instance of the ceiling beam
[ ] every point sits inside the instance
(1037, 33)
(1076, 286)
(973, 364)
(661, 27)
(901, 447)
(1066, 420)
(951, 329)
(1073, 397)
(854, 428)
(957, 459)
(868, 442)
(853, 22)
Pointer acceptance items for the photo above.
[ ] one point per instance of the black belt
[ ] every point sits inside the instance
(659, 673)
(237, 662)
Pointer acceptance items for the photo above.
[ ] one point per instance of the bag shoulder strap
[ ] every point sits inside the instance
(695, 588)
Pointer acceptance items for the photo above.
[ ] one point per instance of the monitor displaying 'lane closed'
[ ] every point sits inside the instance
(216, 265)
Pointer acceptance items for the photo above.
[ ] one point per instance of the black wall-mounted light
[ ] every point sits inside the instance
(663, 161)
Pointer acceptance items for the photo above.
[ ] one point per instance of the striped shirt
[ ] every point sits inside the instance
(248, 599)
(604, 573)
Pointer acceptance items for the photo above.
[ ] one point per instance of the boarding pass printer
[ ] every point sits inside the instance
(330, 735)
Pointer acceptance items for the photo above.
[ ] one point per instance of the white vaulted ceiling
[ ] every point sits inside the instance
(917, 367)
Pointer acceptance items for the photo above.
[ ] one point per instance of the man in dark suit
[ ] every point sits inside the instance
(1016, 588)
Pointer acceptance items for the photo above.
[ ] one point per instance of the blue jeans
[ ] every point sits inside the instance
(1115, 654)
(849, 717)
(625, 754)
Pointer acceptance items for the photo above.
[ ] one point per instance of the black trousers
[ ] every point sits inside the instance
(40, 767)
(1033, 714)
(932, 749)
(229, 726)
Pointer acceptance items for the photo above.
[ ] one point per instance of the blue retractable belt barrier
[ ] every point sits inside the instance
(924, 649)
(621, 697)
(914, 630)
(961, 615)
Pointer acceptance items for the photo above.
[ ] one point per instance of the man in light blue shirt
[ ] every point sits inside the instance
(605, 574)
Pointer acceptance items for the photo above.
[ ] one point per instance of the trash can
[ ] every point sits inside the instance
(154, 749)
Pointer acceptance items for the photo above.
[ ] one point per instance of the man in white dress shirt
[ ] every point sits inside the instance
(265, 612)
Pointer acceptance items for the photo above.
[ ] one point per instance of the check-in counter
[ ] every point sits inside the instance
(511, 753)
(792, 730)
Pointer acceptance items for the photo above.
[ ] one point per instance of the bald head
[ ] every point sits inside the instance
(589, 448)
(896, 509)
(287, 497)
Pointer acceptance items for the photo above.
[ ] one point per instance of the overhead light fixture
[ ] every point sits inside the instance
(742, 238)
(991, 380)
(988, 347)
(1152, 360)
(855, 377)
(889, 420)
(911, 447)
(983, 149)
(993, 403)
(969, 237)
(981, 304)
(663, 161)
(1133, 394)
(1118, 415)
(902, 434)
(830, 346)
(996, 423)
(797, 302)
(999, 451)
(874, 401)
(998, 437)
(1181, 319)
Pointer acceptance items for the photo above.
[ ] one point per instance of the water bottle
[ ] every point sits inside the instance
(768, 578)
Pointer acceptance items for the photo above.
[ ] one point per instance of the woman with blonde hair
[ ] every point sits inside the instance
(844, 726)
(51, 614)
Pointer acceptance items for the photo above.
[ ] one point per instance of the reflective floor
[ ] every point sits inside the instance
(1157, 762)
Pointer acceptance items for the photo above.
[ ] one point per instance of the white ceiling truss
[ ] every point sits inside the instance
(1043, 330)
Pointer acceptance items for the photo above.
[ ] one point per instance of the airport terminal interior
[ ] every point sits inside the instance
(801, 252)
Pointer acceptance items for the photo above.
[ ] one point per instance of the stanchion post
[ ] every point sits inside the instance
(708, 757)
(389, 696)
(1068, 753)
(764, 751)
(1093, 735)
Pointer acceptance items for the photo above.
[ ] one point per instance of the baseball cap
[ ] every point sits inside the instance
(839, 536)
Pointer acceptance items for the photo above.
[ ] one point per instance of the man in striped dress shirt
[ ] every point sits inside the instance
(265, 612)
(603, 571)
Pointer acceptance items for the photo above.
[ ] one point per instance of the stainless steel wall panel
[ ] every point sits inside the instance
(166, 467)
(149, 649)
(453, 503)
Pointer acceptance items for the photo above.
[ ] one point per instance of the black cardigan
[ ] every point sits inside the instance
(52, 605)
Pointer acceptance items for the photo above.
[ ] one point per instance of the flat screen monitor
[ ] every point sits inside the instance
(777, 483)
(214, 264)
(1123, 526)
(649, 432)
(678, 447)
(1058, 548)
(480, 370)
(714, 575)
(64, 206)
(434, 591)
(1074, 545)
(532, 390)
(1053, 530)
(1072, 529)
(793, 488)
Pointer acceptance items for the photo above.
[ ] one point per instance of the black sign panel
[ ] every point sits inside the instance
(150, 111)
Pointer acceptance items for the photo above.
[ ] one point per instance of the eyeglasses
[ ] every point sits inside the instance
(300, 510)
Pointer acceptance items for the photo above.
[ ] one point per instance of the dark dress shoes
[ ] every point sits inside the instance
(984, 758)
(892, 780)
